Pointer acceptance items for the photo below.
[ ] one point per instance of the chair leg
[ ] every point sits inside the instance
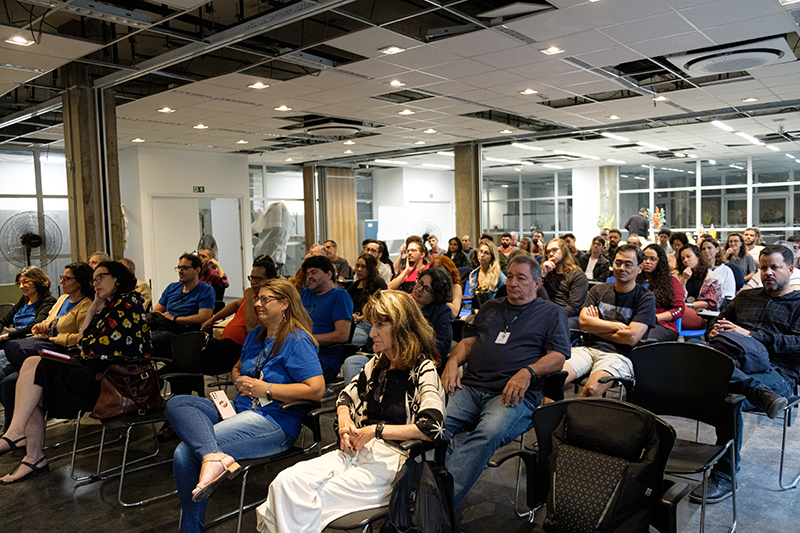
(125, 463)
(241, 501)
(733, 485)
(529, 513)
(787, 421)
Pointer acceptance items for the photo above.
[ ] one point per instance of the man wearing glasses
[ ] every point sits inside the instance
(618, 314)
(373, 248)
(183, 306)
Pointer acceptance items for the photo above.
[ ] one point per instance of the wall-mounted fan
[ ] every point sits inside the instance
(427, 227)
(30, 238)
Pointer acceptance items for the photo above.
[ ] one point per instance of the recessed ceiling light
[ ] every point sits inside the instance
(506, 131)
(748, 137)
(166, 110)
(552, 50)
(241, 142)
(617, 161)
(575, 154)
(200, 127)
(721, 125)
(448, 154)
(288, 159)
(773, 148)
(613, 117)
(258, 85)
(407, 112)
(349, 142)
(712, 162)
(526, 147)
(653, 146)
(283, 108)
(680, 154)
(420, 142)
(553, 166)
(137, 140)
(20, 41)
(693, 156)
(396, 83)
(391, 161)
(348, 151)
(528, 91)
(751, 99)
(614, 136)
(392, 50)
(433, 165)
(660, 98)
(429, 130)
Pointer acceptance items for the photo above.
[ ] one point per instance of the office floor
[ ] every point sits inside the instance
(53, 503)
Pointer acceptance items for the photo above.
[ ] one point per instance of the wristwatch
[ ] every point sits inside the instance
(269, 394)
(379, 430)
(534, 377)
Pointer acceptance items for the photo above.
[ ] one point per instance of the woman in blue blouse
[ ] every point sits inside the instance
(279, 364)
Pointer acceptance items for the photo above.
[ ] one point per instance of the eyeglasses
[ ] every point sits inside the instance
(98, 279)
(264, 300)
(425, 288)
(183, 268)
(67, 278)
(22, 282)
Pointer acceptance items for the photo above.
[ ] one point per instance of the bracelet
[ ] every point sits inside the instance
(175, 319)
(235, 381)
(379, 430)
(534, 377)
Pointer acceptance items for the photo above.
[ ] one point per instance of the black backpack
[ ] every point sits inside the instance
(422, 500)
(605, 471)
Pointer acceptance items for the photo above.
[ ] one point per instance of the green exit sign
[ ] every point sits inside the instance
(198, 188)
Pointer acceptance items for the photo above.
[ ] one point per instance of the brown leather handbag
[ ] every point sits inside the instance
(128, 389)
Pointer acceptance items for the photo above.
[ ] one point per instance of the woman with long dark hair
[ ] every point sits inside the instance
(736, 253)
(667, 289)
(456, 253)
(366, 283)
(701, 286)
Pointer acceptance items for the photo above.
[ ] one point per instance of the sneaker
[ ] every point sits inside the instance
(719, 489)
(773, 404)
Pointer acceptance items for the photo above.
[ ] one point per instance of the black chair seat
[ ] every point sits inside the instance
(689, 457)
(360, 519)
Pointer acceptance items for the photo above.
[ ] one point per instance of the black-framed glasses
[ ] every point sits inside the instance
(425, 288)
(264, 300)
(98, 279)
(183, 268)
(256, 278)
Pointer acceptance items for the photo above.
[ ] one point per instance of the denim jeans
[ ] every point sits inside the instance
(742, 383)
(247, 435)
(352, 366)
(489, 424)
(361, 333)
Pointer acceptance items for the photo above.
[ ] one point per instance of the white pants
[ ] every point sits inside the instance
(311, 494)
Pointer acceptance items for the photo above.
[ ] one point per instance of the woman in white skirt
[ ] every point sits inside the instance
(396, 397)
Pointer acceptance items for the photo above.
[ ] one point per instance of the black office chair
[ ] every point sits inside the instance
(794, 401)
(604, 432)
(688, 381)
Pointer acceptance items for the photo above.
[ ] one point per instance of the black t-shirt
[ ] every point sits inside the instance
(637, 305)
(360, 295)
(534, 330)
(390, 406)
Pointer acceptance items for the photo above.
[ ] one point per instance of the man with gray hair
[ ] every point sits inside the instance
(510, 346)
(141, 287)
(98, 257)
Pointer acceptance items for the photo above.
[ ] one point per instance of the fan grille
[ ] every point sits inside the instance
(30, 239)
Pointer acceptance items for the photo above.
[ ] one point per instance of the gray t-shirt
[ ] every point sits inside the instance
(535, 329)
(637, 305)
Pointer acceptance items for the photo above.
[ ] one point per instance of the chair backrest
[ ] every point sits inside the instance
(738, 275)
(5, 308)
(604, 431)
(186, 350)
(682, 379)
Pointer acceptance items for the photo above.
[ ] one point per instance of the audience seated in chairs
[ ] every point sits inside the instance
(184, 305)
(525, 245)
(456, 253)
(715, 258)
(376, 250)
(211, 273)
(485, 280)
(771, 316)
(114, 330)
(331, 311)
(510, 346)
(299, 278)
(613, 240)
(594, 264)
(456, 290)
(366, 282)
(678, 240)
(141, 287)
(565, 282)
(33, 307)
(618, 316)
(279, 364)
(415, 251)
(473, 255)
(396, 397)
(98, 257)
(668, 291)
(343, 269)
(58, 331)
(701, 286)
(736, 253)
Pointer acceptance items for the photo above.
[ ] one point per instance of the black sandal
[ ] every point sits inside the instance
(12, 444)
(35, 469)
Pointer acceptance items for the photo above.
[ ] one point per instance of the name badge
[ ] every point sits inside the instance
(502, 337)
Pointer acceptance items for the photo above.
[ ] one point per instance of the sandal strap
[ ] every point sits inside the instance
(34, 467)
(13, 443)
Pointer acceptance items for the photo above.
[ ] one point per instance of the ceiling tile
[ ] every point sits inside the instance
(672, 45)
(609, 57)
(497, 77)
(752, 29)
(370, 41)
(461, 68)
(648, 29)
(48, 45)
(608, 12)
(549, 25)
(513, 57)
(374, 68)
(542, 71)
(726, 11)
(421, 57)
(477, 42)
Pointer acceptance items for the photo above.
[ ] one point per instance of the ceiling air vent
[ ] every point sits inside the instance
(735, 58)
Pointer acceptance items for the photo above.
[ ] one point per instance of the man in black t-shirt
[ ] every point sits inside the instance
(618, 315)
(510, 346)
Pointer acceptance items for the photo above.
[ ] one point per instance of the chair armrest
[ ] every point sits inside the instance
(612, 379)
(323, 411)
(180, 375)
(529, 456)
(674, 493)
(220, 383)
(793, 402)
(735, 399)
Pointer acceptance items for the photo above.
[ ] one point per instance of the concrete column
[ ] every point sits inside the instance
(90, 138)
(467, 190)
(310, 206)
(608, 193)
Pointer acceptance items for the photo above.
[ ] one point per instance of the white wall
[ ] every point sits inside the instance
(151, 172)
(585, 205)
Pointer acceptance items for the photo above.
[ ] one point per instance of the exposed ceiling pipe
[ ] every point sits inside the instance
(270, 21)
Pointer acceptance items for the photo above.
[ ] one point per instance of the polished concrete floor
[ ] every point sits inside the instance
(53, 502)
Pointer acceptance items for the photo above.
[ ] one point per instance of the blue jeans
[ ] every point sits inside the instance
(352, 366)
(742, 383)
(489, 424)
(361, 333)
(247, 435)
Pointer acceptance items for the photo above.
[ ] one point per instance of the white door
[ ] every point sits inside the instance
(176, 230)
(225, 227)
